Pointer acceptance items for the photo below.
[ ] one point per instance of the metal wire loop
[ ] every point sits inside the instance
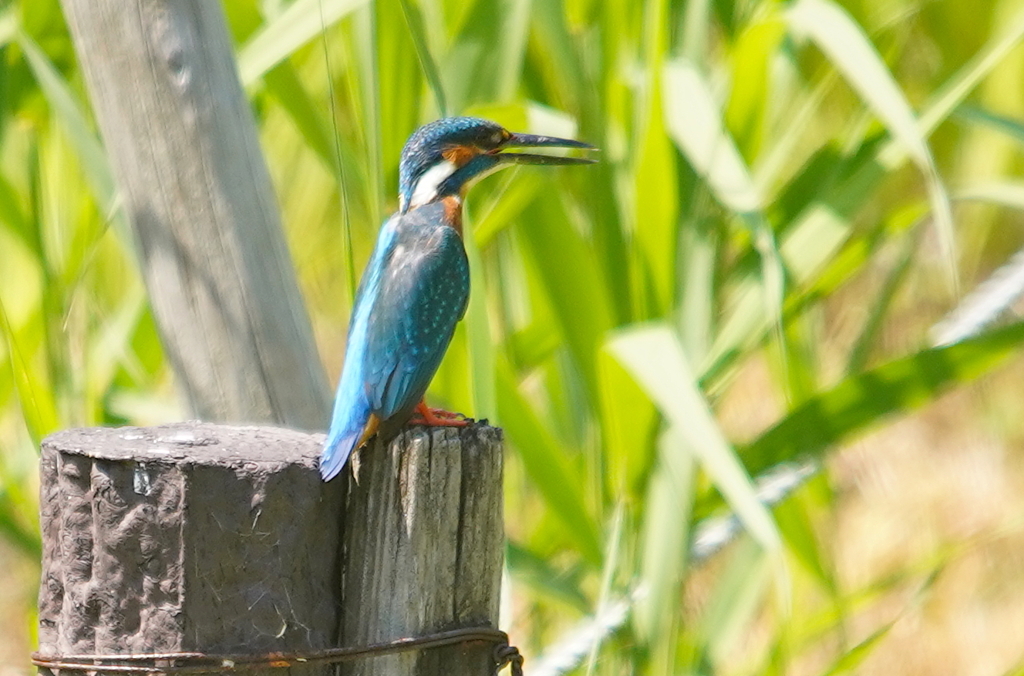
(508, 654)
(195, 662)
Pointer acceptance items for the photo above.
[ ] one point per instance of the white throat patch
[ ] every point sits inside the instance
(428, 184)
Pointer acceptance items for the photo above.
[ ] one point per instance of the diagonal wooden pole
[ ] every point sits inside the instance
(183, 147)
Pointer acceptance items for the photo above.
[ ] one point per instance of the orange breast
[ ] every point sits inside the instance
(453, 212)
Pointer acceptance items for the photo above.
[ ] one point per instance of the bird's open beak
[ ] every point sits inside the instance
(535, 141)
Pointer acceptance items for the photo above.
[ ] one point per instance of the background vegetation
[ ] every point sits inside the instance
(791, 195)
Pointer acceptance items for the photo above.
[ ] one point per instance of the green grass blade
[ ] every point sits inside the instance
(1012, 127)
(700, 243)
(849, 49)
(696, 27)
(656, 201)
(514, 196)
(697, 127)
(667, 509)
(367, 49)
(566, 653)
(627, 418)
(478, 336)
(562, 73)
(751, 94)
(302, 21)
(853, 657)
(864, 399)
(546, 464)
(90, 151)
(737, 596)
(38, 408)
(795, 518)
(613, 555)
(414, 20)
(284, 85)
(805, 250)
(13, 525)
(881, 305)
(12, 214)
(695, 124)
(8, 25)
(655, 358)
(945, 100)
(537, 572)
(1004, 193)
(509, 61)
(839, 37)
(112, 347)
(563, 263)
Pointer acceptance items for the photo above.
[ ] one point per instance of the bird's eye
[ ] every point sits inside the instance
(498, 137)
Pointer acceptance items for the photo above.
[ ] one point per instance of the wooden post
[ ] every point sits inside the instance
(183, 147)
(199, 537)
(186, 537)
(423, 540)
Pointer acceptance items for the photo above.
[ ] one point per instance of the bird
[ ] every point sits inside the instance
(415, 287)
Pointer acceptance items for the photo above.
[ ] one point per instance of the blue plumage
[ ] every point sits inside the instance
(413, 293)
(416, 286)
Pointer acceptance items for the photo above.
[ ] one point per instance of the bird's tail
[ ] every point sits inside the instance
(350, 427)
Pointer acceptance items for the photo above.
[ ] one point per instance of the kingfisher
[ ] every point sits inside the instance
(415, 288)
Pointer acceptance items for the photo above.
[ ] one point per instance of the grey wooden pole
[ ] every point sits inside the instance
(423, 544)
(182, 143)
(218, 539)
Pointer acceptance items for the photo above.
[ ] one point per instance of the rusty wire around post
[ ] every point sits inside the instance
(209, 663)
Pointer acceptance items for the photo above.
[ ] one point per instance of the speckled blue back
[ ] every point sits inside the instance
(423, 292)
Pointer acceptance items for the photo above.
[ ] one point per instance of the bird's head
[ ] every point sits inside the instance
(443, 157)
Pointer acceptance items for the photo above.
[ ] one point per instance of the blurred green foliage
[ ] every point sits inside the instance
(766, 166)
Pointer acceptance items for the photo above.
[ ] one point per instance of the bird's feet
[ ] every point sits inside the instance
(436, 417)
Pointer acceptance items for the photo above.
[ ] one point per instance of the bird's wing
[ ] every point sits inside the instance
(352, 420)
(423, 294)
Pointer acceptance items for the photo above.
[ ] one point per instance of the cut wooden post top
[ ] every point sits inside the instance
(193, 442)
(222, 445)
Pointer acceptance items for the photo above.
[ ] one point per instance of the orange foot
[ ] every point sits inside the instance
(436, 417)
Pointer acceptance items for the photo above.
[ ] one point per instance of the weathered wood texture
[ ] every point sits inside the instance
(187, 537)
(182, 143)
(422, 541)
(223, 539)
